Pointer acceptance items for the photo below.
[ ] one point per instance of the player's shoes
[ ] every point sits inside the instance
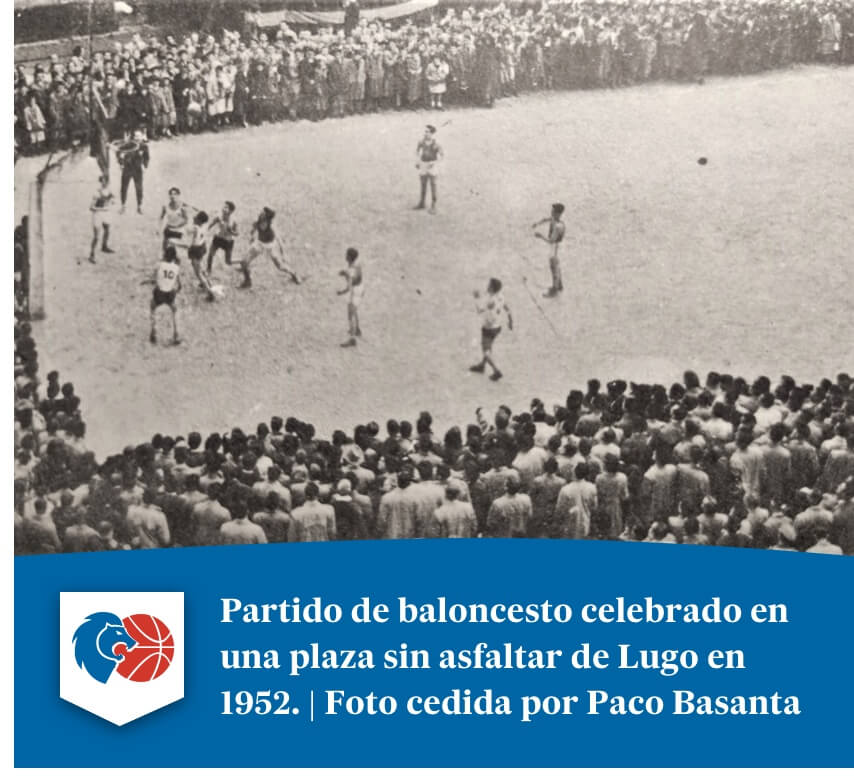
(246, 284)
(122, 210)
(139, 210)
(350, 343)
(152, 338)
(419, 206)
(107, 250)
(358, 332)
(432, 210)
(495, 376)
(92, 259)
(477, 368)
(176, 340)
(551, 293)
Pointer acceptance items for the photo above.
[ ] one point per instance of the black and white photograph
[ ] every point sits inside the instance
(305, 270)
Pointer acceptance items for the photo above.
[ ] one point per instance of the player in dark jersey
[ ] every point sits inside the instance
(554, 238)
(429, 153)
(266, 242)
(133, 158)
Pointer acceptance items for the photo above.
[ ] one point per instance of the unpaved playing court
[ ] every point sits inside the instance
(744, 264)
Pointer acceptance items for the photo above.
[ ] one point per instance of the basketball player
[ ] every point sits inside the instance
(428, 153)
(224, 230)
(355, 289)
(174, 217)
(492, 314)
(266, 242)
(196, 250)
(167, 284)
(101, 205)
(133, 158)
(557, 229)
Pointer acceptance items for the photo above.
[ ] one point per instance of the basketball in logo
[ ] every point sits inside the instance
(152, 653)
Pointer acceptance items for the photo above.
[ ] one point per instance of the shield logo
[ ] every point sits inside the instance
(121, 655)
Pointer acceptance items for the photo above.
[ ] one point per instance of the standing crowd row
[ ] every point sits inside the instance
(472, 57)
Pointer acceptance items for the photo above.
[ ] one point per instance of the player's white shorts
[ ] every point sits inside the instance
(101, 218)
(428, 169)
(356, 294)
(258, 248)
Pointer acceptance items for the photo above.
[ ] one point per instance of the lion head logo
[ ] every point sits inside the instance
(95, 641)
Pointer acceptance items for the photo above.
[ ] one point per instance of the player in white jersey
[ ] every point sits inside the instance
(101, 208)
(167, 284)
(174, 217)
(493, 312)
(224, 230)
(355, 290)
(196, 250)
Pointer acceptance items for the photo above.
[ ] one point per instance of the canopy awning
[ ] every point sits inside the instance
(275, 18)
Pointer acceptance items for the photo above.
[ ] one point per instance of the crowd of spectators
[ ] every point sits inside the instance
(200, 82)
(724, 462)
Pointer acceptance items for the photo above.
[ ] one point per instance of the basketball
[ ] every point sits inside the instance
(153, 652)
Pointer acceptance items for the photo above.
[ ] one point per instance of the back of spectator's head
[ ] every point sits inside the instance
(512, 485)
(582, 470)
(311, 491)
(404, 478)
(550, 466)
(425, 470)
(660, 529)
(611, 463)
(777, 433)
(392, 427)
(405, 429)
(276, 424)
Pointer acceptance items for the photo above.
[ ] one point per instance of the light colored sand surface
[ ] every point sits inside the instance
(744, 264)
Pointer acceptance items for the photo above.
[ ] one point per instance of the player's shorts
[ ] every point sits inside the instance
(428, 169)
(221, 244)
(356, 294)
(259, 248)
(171, 234)
(163, 297)
(100, 218)
(196, 252)
(487, 337)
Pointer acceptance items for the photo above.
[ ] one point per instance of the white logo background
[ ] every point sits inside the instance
(120, 700)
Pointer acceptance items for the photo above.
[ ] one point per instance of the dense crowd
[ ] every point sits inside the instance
(472, 56)
(723, 462)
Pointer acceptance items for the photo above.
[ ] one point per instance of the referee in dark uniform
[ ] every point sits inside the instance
(133, 158)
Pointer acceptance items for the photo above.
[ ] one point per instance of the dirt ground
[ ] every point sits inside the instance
(744, 264)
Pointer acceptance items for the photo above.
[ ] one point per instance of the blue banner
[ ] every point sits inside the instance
(513, 635)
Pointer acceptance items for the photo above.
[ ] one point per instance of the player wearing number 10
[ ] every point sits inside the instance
(167, 284)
